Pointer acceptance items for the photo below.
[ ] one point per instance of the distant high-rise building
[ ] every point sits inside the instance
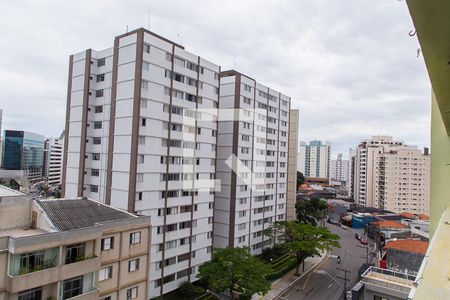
(339, 169)
(53, 158)
(138, 137)
(314, 159)
(254, 191)
(391, 175)
(351, 172)
(24, 151)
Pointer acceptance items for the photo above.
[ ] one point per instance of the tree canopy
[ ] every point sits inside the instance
(306, 240)
(311, 211)
(236, 270)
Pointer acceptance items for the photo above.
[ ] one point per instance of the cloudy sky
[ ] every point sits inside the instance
(349, 65)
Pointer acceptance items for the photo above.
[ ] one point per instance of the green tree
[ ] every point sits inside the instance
(236, 270)
(300, 179)
(274, 231)
(311, 211)
(306, 240)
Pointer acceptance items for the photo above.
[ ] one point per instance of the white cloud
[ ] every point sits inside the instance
(350, 66)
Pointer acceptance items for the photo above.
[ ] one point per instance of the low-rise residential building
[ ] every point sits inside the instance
(71, 249)
(404, 255)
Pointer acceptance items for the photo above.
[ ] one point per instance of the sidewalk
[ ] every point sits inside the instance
(282, 283)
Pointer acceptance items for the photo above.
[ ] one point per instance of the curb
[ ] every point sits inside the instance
(326, 256)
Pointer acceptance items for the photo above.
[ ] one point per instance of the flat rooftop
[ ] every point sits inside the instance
(20, 232)
(7, 192)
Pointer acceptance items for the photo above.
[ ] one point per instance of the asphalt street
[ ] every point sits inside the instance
(323, 282)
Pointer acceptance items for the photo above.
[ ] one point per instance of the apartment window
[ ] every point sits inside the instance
(144, 85)
(107, 243)
(133, 265)
(98, 125)
(168, 56)
(94, 188)
(96, 140)
(105, 273)
(242, 213)
(95, 156)
(98, 109)
(143, 122)
(145, 66)
(101, 62)
(99, 93)
(241, 239)
(139, 177)
(135, 238)
(140, 159)
(132, 293)
(146, 48)
(139, 196)
(143, 103)
(179, 62)
(141, 140)
(100, 77)
(247, 88)
(191, 66)
(95, 172)
(72, 287)
(74, 253)
(33, 294)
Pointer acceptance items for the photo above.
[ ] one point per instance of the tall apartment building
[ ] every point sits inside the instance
(141, 136)
(53, 160)
(71, 249)
(351, 172)
(339, 169)
(314, 159)
(292, 165)
(252, 162)
(24, 151)
(404, 180)
(392, 176)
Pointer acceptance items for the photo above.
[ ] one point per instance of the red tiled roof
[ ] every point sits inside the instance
(423, 217)
(390, 224)
(408, 215)
(415, 246)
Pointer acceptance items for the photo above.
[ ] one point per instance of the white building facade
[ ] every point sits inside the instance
(138, 137)
(339, 169)
(53, 160)
(314, 159)
(252, 162)
(391, 175)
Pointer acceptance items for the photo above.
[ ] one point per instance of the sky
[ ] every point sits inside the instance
(350, 66)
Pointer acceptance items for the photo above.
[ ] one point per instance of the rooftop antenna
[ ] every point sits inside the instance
(149, 19)
(127, 28)
(180, 37)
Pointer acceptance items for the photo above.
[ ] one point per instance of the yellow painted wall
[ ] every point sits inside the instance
(440, 166)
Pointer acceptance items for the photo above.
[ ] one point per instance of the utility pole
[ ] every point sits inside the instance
(367, 252)
(345, 281)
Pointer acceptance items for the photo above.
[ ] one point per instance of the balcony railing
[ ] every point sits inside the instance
(392, 280)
